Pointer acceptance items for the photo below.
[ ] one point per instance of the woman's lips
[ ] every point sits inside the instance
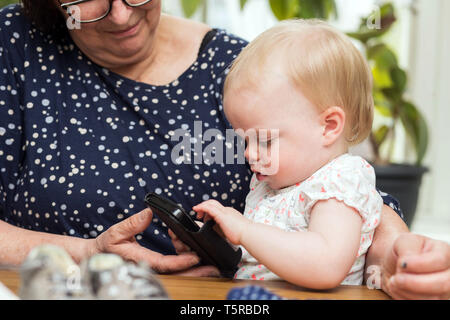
(127, 32)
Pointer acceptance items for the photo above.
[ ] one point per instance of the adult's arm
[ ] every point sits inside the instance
(407, 265)
(390, 228)
(16, 243)
(417, 267)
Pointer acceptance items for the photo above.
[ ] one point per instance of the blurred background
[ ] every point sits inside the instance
(407, 44)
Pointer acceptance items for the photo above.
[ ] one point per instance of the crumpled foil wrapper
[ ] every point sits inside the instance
(49, 273)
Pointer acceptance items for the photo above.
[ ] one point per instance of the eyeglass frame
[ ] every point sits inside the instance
(65, 6)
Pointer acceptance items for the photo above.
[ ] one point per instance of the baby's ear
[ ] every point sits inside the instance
(333, 122)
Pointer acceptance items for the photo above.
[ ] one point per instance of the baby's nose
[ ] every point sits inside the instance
(251, 153)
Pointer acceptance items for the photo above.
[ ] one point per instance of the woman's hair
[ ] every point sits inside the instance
(319, 60)
(45, 15)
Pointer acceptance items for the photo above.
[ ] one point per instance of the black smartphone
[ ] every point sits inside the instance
(164, 206)
(211, 248)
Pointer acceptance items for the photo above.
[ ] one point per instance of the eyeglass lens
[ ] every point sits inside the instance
(93, 10)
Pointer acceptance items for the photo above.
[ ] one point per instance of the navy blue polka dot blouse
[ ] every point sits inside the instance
(80, 146)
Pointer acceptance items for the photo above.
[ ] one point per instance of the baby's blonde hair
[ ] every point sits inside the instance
(321, 61)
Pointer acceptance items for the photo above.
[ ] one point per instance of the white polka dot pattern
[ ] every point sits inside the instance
(80, 146)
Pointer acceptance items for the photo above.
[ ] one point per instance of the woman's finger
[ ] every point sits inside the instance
(172, 235)
(203, 271)
(174, 263)
(133, 225)
(434, 258)
(409, 244)
(398, 294)
(425, 285)
(180, 246)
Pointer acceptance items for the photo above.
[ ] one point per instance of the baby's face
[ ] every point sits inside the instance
(281, 127)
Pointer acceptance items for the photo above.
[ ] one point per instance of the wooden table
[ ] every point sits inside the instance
(192, 288)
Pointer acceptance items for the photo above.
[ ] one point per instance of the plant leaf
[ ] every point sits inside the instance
(416, 127)
(367, 31)
(243, 3)
(284, 9)
(190, 7)
(383, 110)
(382, 104)
(380, 134)
(382, 78)
(4, 3)
(331, 9)
(310, 9)
(305, 9)
(383, 56)
(399, 78)
(322, 9)
(394, 96)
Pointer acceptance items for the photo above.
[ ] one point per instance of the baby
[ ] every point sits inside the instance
(301, 93)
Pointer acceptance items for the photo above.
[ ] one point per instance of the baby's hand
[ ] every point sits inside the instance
(231, 221)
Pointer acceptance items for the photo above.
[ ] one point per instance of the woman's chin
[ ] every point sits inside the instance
(121, 54)
(128, 49)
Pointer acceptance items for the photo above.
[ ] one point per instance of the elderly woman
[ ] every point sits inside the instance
(91, 95)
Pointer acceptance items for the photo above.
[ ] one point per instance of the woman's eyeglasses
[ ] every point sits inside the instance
(85, 11)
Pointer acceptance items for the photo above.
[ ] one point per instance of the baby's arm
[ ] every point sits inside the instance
(319, 258)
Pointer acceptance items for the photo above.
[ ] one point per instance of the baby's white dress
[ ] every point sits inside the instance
(347, 178)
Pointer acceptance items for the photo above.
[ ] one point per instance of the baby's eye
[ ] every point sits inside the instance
(265, 143)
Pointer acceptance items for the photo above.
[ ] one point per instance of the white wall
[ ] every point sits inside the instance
(430, 90)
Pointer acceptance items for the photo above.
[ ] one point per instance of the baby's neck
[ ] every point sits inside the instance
(336, 150)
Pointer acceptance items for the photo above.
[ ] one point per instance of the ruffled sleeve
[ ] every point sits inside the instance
(349, 179)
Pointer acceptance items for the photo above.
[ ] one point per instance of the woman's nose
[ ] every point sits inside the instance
(120, 12)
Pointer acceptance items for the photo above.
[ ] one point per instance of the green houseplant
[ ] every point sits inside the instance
(282, 9)
(390, 84)
(6, 2)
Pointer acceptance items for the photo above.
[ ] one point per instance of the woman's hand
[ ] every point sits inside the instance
(120, 239)
(231, 222)
(417, 267)
(182, 248)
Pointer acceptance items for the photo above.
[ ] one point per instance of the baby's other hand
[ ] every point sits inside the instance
(231, 222)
